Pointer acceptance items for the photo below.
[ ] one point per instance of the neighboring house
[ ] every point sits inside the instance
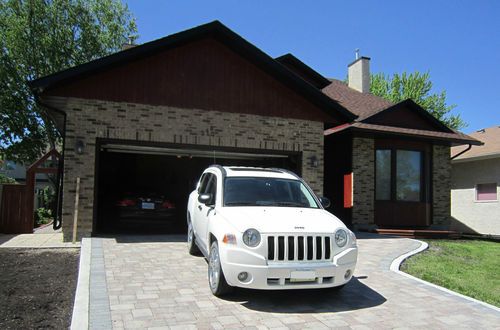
(475, 206)
(152, 117)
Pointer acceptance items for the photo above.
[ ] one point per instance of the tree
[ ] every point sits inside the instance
(416, 86)
(40, 37)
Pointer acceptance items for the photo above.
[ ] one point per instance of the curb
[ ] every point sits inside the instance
(80, 318)
(396, 264)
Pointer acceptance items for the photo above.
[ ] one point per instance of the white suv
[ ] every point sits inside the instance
(265, 229)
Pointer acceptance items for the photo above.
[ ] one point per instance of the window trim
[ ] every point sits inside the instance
(485, 200)
(393, 183)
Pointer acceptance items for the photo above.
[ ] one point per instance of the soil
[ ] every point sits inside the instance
(37, 287)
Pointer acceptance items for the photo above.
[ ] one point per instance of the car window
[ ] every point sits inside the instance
(251, 191)
(211, 185)
(203, 183)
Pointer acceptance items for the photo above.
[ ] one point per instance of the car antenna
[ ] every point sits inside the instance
(215, 160)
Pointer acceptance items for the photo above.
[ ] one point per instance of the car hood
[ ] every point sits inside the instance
(281, 219)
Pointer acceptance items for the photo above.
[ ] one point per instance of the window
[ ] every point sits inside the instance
(408, 171)
(486, 192)
(383, 175)
(398, 175)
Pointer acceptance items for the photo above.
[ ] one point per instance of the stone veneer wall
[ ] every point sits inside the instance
(441, 186)
(363, 167)
(91, 119)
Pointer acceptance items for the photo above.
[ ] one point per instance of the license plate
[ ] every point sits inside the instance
(302, 276)
(148, 206)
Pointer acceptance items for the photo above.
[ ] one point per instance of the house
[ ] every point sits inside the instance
(152, 117)
(475, 177)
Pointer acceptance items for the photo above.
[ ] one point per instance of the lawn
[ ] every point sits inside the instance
(470, 267)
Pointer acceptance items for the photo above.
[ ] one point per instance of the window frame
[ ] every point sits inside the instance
(485, 200)
(393, 176)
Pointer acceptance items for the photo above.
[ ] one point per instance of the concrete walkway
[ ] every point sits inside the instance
(46, 239)
(152, 283)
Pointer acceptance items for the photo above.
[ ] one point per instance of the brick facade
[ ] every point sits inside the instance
(441, 186)
(363, 165)
(88, 120)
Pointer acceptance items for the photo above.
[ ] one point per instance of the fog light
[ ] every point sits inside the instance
(243, 276)
(347, 274)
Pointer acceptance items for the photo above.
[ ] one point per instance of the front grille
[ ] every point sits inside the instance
(299, 248)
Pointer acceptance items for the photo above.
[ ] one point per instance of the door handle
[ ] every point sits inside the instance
(199, 207)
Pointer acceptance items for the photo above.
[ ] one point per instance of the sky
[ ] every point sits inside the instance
(457, 42)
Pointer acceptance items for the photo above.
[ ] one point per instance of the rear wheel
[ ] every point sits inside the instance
(191, 240)
(216, 279)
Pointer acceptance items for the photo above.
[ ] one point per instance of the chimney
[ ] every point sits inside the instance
(129, 44)
(359, 73)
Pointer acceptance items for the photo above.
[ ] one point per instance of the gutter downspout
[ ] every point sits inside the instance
(462, 152)
(60, 173)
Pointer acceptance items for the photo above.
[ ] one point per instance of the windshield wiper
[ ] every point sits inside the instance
(241, 203)
(289, 204)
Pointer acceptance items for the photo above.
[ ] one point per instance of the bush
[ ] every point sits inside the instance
(6, 179)
(43, 216)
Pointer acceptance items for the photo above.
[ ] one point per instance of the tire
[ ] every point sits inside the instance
(191, 240)
(216, 280)
(338, 288)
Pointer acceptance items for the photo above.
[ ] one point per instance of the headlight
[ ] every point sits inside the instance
(251, 237)
(341, 238)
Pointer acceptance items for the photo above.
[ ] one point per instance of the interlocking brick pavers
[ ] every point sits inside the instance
(152, 282)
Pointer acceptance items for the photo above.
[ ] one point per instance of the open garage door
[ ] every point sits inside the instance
(144, 189)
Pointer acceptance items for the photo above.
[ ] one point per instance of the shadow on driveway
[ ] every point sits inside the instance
(124, 238)
(355, 295)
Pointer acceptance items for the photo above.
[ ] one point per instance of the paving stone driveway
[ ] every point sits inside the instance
(153, 283)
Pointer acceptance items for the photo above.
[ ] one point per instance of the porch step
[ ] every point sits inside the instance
(419, 233)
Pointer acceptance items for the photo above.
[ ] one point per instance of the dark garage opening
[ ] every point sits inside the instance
(144, 190)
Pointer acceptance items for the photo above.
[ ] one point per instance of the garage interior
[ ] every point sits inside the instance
(132, 171)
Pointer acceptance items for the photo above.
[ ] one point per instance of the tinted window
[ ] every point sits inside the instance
(249, 191)
(408, 172)
(383, 175)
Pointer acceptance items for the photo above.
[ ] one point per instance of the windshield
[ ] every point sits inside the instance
(251, 191)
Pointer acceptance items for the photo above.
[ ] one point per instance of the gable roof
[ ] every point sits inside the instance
(219, 32)
(369, 108)
(490, 149)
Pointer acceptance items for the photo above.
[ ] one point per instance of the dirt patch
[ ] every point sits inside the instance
(37, 288)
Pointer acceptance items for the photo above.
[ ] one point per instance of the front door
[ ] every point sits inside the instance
(402, 184)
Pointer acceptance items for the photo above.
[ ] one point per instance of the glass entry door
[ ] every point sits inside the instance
(402, 184)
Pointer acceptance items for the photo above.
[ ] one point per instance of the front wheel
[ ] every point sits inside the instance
(216, 279)
(191, 240)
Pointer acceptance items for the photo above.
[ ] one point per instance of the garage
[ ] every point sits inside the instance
(143, 123)
(144, 188)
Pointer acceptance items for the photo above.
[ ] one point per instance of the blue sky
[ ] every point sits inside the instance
(458, 42)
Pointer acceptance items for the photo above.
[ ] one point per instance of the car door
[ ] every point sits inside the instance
(202, 212)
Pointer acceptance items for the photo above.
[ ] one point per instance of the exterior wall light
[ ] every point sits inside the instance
(313, 161)
(79, 147)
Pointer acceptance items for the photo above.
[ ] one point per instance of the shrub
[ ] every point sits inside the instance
(6, 179)
(43, 216)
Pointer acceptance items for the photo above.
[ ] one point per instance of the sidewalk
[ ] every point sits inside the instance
(46, 238)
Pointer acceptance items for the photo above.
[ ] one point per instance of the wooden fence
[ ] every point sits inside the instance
(13, 216)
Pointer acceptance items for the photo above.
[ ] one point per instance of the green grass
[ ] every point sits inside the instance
(470, 267)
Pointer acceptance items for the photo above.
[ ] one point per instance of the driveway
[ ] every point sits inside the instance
(152, 282)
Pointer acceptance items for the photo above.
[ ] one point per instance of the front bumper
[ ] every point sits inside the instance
(287, 275)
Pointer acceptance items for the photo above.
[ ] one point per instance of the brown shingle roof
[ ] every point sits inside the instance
(361, 104)
(491, 139)
(456, 137)
(365, 105)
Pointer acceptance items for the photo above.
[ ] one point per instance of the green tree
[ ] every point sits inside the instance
(40, 37)
(416, 86)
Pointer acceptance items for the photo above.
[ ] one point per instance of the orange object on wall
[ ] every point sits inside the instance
(348, 190)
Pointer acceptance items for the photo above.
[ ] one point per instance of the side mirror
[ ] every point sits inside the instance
(206, 199)
(325, 202)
